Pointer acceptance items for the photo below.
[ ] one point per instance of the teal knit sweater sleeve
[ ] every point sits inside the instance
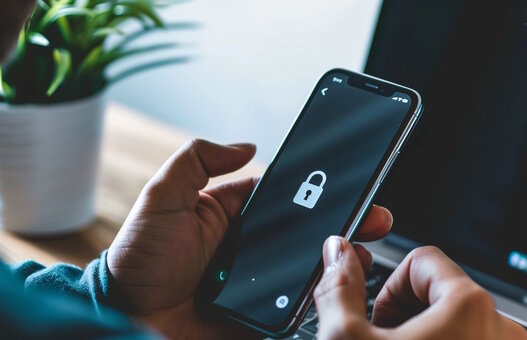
(94, 283)
(63, 301)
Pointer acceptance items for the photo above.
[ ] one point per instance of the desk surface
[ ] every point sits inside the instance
(133, 148)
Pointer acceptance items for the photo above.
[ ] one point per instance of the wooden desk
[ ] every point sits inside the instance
(134, 147)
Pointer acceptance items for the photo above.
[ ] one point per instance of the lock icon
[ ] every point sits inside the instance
(309, 193)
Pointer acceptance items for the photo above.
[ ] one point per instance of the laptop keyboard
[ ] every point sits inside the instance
(375, 279)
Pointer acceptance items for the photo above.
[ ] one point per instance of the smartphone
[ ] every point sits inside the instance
(321, 182)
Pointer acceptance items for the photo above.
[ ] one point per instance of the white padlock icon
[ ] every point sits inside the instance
(309, 193)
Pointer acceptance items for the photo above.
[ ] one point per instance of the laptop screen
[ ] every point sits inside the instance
(461, 182)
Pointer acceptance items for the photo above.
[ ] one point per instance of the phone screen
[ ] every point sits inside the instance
(310, 191)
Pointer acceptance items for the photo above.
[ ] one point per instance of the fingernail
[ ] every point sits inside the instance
(334, 251)
(243, 145)
(387, 213)
(389, 216)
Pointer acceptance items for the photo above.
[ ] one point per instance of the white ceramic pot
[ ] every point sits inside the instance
(48, 165)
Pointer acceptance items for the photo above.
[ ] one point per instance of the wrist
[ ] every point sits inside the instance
(168, 322)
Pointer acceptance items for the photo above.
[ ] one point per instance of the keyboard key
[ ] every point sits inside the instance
(311, 312)
(375, 280)
(311, 326)
(371, 282)
(369, 304)
(301, 335)
(297, 336)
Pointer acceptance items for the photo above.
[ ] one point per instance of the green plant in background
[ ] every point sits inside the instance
(63, 51)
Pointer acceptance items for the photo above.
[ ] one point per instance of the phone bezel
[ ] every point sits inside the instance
(383, 88)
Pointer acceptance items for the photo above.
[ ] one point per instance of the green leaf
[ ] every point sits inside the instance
(37, 39)
(39, 22)
(65, 29)
(42, 4)
(90, 60)
(57, 12)
(117, 54)
(106, 31)
(146, 9)
(93, 3)
(130, 37)
(123, 15)
(97, 60)
(21, 44)
(139, 9)
(6, 91)
(167, 3)
(148, 66)
(61, 2)
(62, 59)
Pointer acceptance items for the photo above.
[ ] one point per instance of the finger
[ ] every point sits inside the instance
(510, 329)
(188, 170)
(419, 281)
(376, 225)
(340, 297)
(232, 196)
(364, 257)
(456, 307)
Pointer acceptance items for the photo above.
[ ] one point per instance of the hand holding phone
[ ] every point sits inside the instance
(320, 183)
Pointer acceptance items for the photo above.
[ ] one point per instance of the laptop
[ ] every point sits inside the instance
(461, 181)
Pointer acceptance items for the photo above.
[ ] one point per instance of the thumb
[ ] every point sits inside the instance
(179, 180)
(340, 297)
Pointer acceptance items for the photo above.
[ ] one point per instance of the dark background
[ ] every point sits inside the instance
(461, 182)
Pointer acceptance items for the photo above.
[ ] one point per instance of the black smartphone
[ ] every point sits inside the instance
(321, 182)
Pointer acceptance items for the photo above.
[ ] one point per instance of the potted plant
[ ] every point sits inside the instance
(52, 104)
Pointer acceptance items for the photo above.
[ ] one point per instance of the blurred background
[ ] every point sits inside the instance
(253, 65)
(232, 71)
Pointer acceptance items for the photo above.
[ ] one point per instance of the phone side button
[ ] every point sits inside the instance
(391, 161)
